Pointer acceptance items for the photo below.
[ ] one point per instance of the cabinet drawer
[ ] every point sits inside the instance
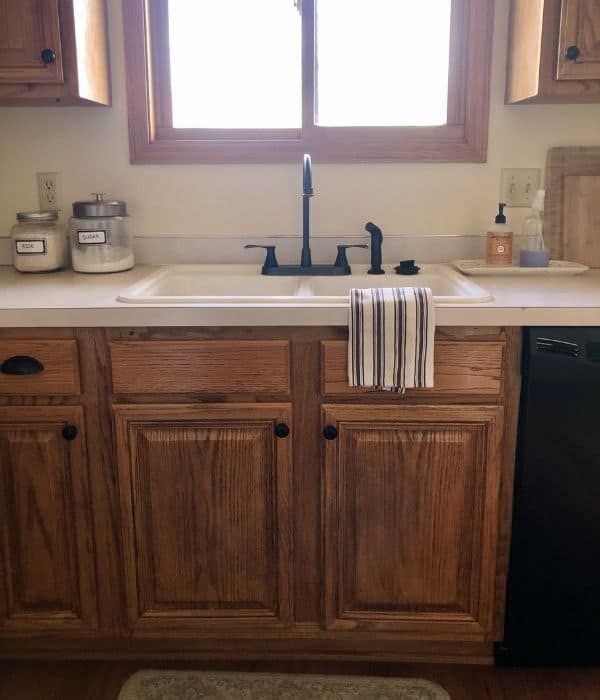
(460, 367)
(208, 366)
(57, 372)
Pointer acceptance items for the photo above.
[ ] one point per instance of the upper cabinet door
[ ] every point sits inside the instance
(206, 516)
(579, 41)
(30, 48)
(411, 511)
(47, 582)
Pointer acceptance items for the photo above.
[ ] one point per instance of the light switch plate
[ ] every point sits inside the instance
(519, 185)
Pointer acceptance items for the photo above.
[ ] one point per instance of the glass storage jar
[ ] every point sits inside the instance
(38, 242)
(100, 237)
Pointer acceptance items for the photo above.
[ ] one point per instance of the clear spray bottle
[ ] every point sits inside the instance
(533, 249)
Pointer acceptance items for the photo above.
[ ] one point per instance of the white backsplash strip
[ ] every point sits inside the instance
(157, 250)
(161, 250)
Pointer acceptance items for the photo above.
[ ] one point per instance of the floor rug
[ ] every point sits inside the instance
(224, 685)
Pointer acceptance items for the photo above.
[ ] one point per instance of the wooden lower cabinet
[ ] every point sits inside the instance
(47, 582)
(411, 509)
(215, 516)
(206, 517)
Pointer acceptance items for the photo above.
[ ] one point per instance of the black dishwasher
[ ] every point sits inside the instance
(553, 596)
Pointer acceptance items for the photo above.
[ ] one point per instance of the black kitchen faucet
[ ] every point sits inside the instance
(306, 267)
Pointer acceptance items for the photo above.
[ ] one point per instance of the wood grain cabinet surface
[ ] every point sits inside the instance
(553, 51)
(228, 496)
(410, 505)
(579, 40)
(205, 366)
(460, 369)
(206, 517)
(54, 52)
(46, 563)
(55, 364)
(30, 33)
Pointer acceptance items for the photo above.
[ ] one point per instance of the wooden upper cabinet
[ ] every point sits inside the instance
(47, 582)
(579, 43)
(553, 51)
(53, 52)
(411, 510)
(206, 517)
(30, 49)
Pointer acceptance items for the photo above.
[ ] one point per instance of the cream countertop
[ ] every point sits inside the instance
(69, 299)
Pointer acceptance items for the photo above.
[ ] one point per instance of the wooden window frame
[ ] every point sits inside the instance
(153, 140)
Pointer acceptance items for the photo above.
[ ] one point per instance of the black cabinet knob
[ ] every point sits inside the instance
(69, 432)
(282, 430)
(572, 53)
(48, 56)
(330, 432)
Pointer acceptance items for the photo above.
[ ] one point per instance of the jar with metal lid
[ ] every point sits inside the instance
(100, 237)
(38, 242)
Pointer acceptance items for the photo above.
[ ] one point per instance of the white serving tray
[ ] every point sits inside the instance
(556, 267)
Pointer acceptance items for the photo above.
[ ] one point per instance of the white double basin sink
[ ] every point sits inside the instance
(243, 285)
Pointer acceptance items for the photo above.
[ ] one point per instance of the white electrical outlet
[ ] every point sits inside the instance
(49, 194)
(519, 185)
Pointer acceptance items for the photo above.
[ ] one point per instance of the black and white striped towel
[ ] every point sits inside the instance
(391, 338)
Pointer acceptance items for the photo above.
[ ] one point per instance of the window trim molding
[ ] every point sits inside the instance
(153, 141)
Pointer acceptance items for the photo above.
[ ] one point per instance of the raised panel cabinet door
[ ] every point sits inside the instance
(411, 510)
(205, 496)
(579, 40)
(30, 47)
(47, 580)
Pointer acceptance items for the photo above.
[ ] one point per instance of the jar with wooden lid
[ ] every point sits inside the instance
(38, 242)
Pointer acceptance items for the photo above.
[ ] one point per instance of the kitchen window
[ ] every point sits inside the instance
(261, 81)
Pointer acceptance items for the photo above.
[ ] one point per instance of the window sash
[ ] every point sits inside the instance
(154, 140)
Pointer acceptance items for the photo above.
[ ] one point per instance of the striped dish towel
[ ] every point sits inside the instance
(390, 343)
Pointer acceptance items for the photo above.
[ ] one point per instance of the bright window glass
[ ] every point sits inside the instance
(235, 64)
(382, 62)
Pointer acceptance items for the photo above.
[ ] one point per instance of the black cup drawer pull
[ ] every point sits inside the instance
(21, 364)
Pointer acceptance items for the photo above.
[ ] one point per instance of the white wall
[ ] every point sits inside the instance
(89, 146)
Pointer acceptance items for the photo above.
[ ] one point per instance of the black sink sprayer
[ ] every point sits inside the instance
(376, 245)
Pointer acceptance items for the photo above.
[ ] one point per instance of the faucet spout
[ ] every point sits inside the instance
(307, 193)
(307, 189)
(339, 267)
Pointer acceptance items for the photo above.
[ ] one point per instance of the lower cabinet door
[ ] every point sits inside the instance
(47, 582)
(206, 516)
(410, 519)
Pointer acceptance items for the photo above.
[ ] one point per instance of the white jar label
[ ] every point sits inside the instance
(31, 247)
(500, 248)
(91, 237)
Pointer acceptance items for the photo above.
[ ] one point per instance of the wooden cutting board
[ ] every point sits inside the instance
(572, 227)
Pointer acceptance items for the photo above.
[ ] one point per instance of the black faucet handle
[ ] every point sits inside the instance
(341, 260)
(270, 259)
